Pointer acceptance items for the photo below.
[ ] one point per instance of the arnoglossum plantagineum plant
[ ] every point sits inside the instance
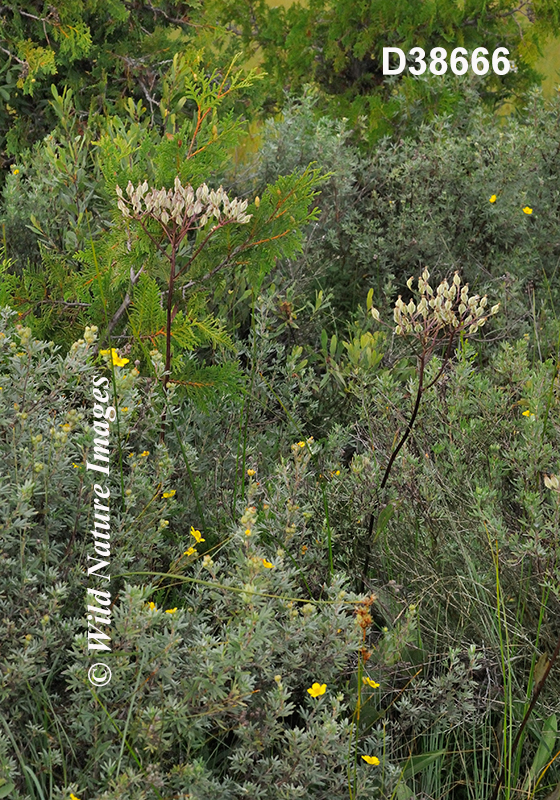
(437, 318)
(178, 212)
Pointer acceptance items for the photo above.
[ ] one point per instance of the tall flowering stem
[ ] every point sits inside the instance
(178, 212)
(437, 318)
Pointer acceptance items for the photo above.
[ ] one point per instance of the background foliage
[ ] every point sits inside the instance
(426, 607)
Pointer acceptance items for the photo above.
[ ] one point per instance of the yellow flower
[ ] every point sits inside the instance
(251, 472)
(493, 199)
(247, 531)
(126, 407)
(267, 564)
(144, 454)
(371, 760)
(152, 605)
(301, 444)
(170, 493)
(527, 413)
(117, 360)
(337, 472)
(171, 610)
(197, 535)
(371, 683)
(72, 796)
(190, 551)
(15, 172)
(317, 689)
(76, 466)
(527, 210)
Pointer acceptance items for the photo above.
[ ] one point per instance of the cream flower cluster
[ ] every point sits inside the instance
(448, 307)
(181, 204)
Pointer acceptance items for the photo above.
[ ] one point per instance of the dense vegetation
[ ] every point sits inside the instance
(327, 306)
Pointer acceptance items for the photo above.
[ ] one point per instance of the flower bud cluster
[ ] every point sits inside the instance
(450, 307)
(181, 205)
(552, 482)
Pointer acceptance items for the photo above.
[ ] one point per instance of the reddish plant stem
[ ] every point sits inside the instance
(169, 315)
(421, 389)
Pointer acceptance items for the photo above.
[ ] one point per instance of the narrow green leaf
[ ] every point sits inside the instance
(416, 764)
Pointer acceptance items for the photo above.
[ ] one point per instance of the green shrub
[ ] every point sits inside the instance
(212, 652)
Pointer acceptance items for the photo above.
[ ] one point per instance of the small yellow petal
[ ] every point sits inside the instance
(171, 610)
(197, 535)
(527, 413)
(267, 564)
(493, 199)
(169, 494)
(527, 210)
(371, 760)
(371, 683)
(317, 689)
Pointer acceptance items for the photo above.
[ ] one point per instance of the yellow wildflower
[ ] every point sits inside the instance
(371, 683)
(72, 796)
(267, 564)
(247, 531)
(197, 535)
(190, 551)
(527, 210)
(301, 444)
(171, 610)
(117, 360)
(371, 760)
(15, 172)
(170, 493)
(144, 454)
(317, 689)
(492, 199)
(152, 606)
(251, 472)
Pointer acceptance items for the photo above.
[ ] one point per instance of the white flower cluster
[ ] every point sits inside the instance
(447, 307)
(181, 205)
(552, 482)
